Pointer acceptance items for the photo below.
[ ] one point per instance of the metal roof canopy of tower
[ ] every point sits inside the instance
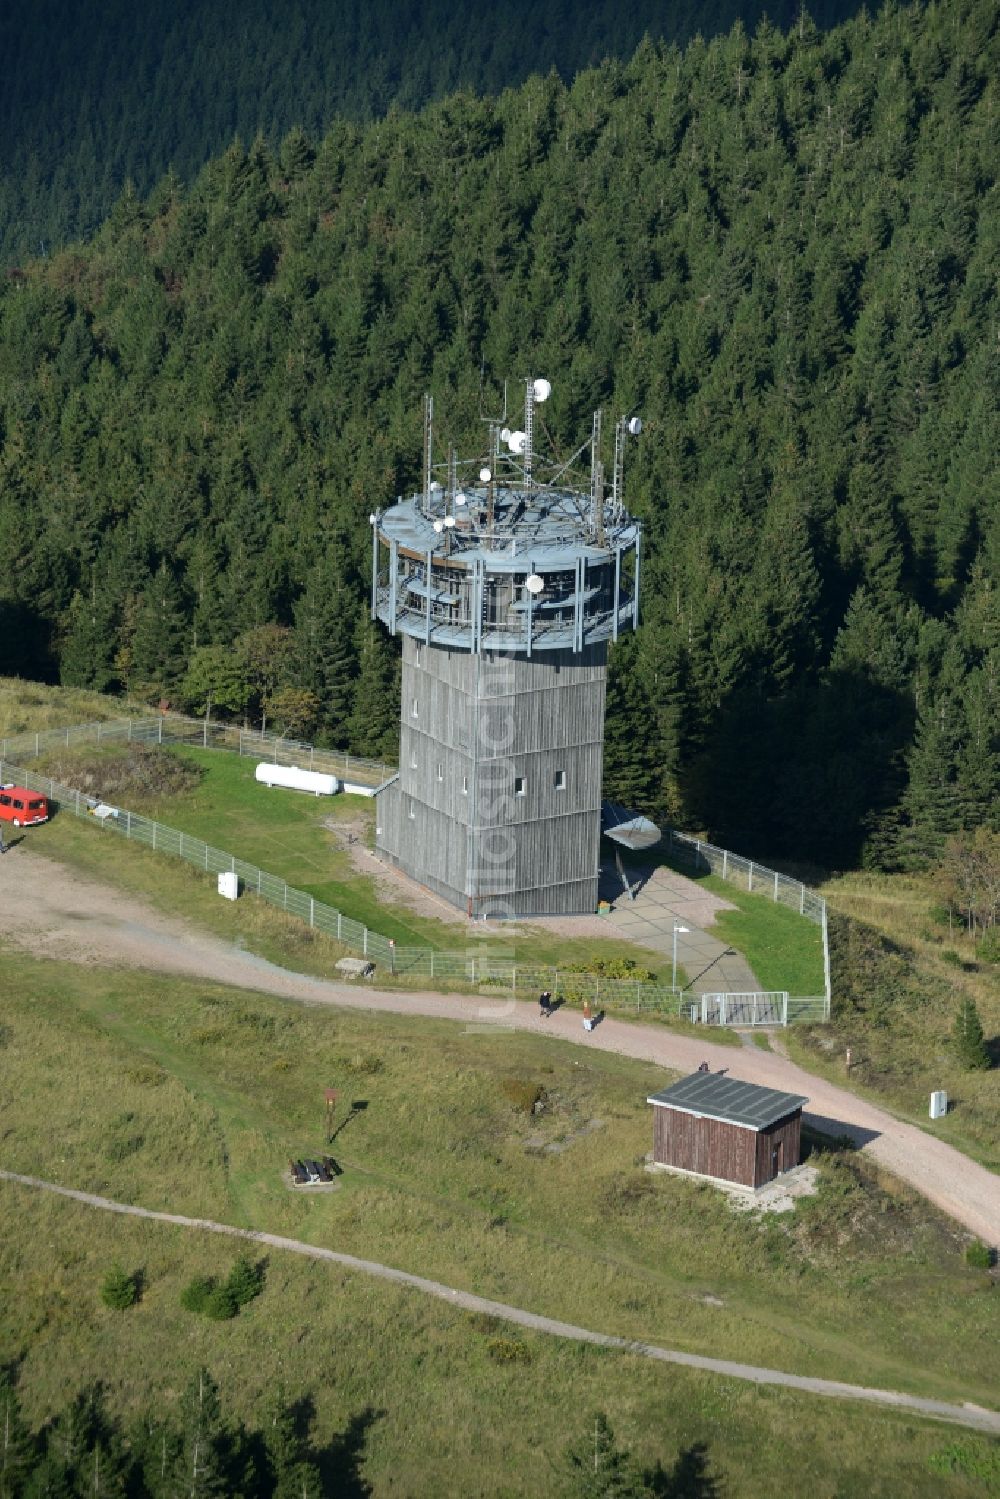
(711, 1095)
(521, 559)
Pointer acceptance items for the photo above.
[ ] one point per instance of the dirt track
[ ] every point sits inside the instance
(976, 1416)
(46, 908)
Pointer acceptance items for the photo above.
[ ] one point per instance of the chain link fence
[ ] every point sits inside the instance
(475, 965)
(176, 728)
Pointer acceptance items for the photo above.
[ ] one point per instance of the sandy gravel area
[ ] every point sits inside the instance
(47, 909)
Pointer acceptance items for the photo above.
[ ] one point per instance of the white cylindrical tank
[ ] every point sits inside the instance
(299, 780)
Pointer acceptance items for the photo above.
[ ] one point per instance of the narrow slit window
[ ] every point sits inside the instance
(440, 770)
(465, 785)
(560, 780)
(413, 759)
(520, 786)
(410, 810)
(415, 709)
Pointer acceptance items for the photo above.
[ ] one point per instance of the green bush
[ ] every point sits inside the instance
(195, 1294)
(988, 947)
(246, 1281)
(979, 1255)
(508, 1351)
(119, 1290)
(220, 1304)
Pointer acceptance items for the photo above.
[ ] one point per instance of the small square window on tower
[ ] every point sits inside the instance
(520, 786)
(560, 780)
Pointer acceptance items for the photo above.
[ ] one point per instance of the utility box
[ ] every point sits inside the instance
(229, 885)
(939, 1105)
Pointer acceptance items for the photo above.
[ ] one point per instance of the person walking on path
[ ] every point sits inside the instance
(3, 846)
(588, 1016)
(545, 1004)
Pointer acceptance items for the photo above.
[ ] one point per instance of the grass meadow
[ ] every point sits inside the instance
(192, 1097)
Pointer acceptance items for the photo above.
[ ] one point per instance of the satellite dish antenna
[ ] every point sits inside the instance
(372, 519)
(460, 498)
(435, 487)
(505, 434)
(485, 475)
(534, 584)
(439, 525)
(542, 390)
(449, 520)
(516, 443)
(635, 426)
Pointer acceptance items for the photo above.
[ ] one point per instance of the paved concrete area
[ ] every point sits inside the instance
(663, 897)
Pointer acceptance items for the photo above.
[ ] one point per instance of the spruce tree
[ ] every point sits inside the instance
(969, 1042)
(16, 1446)
(598, 1469)
(200, 1467)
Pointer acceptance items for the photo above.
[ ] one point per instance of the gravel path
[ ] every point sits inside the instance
(49, 909)
(968, 1414)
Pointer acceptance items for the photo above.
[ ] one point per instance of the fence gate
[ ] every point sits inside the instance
(769, 1007)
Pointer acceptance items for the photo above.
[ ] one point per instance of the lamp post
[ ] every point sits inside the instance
(677, 931)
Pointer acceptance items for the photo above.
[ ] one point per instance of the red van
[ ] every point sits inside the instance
(22, 807)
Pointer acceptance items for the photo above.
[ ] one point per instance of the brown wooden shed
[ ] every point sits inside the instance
(719, 1127)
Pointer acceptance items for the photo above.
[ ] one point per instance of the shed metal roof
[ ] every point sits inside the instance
(716, 1096)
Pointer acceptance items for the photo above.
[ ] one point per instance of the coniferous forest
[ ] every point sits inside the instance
(781, 249)
(99, 94)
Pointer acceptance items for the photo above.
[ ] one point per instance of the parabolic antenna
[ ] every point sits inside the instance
(516, 442)
(505, 434)
(542, 390)
(635, 426)
(460, 498)
(439, 525)
(485, 475)
(435, 487)
(449, 520)
(534, 584)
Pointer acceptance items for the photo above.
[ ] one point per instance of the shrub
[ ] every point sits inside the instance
(220, 1304)
(246, 1281)
(979, 1255)
(508, 1351)
(119, 1290)
(524, 1095)
(367, 1063)
(195, 1294)
(988, 947)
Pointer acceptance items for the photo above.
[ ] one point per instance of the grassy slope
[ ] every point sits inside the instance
(192, 1096)
(895, 997)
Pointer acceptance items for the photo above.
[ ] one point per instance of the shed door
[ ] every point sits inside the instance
(777, 1158)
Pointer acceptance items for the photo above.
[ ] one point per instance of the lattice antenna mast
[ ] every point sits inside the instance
(494, 459)
(428, 449)
(452, 481)
(596, 477)
(618, 486)
(529, 429)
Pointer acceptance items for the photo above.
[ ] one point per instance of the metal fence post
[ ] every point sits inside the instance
(364, 944)
(750, 875)
(312, 911)
(776, 884)
(159, 732)
(784, 1008)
